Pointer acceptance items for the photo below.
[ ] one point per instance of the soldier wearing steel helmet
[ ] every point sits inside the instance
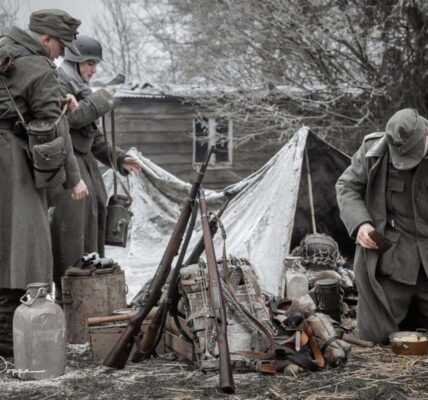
(80, 228)
(29, 92)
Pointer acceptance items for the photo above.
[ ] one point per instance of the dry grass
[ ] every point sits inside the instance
(371, 373)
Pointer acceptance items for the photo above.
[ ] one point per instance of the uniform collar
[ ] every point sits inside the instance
(27, 40)
(378, 149)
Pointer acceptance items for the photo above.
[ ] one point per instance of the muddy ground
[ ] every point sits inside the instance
(369, 374)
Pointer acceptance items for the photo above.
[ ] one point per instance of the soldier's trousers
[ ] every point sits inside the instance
(9, 301)
(408, 303)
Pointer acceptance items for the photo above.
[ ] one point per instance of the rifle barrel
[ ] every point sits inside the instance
(217, 302)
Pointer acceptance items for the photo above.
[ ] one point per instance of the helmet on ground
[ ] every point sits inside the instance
(321, 250)
(90, 49)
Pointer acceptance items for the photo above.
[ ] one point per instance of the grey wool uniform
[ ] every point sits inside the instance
(381, 189)
(25, 251)
(79, 227)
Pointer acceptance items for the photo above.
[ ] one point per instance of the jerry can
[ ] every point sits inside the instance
(39, 345)
(118, 219)
(90, 293)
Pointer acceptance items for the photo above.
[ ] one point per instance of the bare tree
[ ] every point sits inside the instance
(8, 12)
(131, 42)
(339, 66)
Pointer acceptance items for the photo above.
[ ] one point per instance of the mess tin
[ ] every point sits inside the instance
(409, 343)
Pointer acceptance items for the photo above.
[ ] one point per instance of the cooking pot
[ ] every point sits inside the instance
(399, 344)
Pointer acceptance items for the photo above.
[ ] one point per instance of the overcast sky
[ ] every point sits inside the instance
(85, 10)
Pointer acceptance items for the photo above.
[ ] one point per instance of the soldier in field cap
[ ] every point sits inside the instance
(58, 24)
(29, 95)
(385, 191)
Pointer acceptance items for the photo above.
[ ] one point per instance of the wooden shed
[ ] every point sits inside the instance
(167, 126)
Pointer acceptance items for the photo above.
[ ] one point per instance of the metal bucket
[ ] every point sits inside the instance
(401, 345)
(95, 295)
(118, 218)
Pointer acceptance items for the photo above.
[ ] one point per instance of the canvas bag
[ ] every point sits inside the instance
(47, 152)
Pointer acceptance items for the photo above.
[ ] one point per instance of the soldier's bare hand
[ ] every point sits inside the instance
(72, 103)
(80, 191)
(110, 90)
(132, 165)
(363, 238)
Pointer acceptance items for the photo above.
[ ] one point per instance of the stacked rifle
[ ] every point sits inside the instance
(147, 343)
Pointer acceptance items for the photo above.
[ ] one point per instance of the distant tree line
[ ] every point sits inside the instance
(349, 64)
(341, 67)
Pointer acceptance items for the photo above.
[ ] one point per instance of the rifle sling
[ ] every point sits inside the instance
(226, 274)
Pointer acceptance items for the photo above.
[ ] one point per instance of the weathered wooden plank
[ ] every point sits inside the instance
(120, 118)
(152, 106)
(166, 148)
(152, 125)
(155, 137)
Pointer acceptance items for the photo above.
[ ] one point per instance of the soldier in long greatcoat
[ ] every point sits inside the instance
(79, 228)
(30, 78)
(386, 189)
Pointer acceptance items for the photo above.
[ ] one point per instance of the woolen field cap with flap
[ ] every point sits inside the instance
(405, 134)
(56, 23)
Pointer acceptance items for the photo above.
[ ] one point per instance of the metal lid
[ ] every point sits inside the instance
(327, 283)
(38, 285)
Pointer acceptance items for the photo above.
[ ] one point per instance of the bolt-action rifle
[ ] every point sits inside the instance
(119, 354)
(217, 303)
(169, 305)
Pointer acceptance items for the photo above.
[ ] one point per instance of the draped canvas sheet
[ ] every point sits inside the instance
(258, 220)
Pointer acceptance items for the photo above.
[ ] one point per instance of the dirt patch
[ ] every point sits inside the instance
(369, 374)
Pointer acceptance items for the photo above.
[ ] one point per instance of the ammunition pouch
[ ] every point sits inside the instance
(48, 163)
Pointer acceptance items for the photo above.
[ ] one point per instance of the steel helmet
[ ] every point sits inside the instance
(90, 49)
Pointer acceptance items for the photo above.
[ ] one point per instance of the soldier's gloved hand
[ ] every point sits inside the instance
(72, 103)
(363, 238)
(79, 191)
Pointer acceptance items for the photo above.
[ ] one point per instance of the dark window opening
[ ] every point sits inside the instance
(210, 131)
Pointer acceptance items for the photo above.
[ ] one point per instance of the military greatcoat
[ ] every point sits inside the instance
(371, 190)
(79, 227)
(25, 246)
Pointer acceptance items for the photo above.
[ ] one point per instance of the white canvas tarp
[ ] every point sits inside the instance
(258, 221)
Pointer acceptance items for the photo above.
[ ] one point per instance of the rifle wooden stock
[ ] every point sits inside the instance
(200, 246)
(148, 344)
(217, 303)
(92, 321)
(151, 338)
(120, 352)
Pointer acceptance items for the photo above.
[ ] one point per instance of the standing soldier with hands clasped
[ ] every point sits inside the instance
(79, 228)
(31, 127)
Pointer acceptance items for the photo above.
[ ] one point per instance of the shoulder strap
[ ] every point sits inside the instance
(113, 164)
(14, 104)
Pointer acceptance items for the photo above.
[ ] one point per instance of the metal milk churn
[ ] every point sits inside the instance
(39, 345)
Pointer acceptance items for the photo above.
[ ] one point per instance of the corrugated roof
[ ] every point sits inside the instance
(195, 91)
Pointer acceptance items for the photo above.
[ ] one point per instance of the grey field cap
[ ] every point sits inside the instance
(56, 23)
(405, 134)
